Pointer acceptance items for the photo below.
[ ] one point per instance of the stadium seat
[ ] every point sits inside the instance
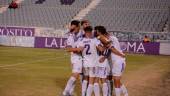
(131, 15)
(50, 13)
(116, 15)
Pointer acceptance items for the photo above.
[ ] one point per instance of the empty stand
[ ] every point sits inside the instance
(4, 2)
(131, 15)
(48, 14)
(116, 15)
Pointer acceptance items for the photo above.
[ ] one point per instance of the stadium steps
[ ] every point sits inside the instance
(130, 15)
(82, 13)
(86, 10)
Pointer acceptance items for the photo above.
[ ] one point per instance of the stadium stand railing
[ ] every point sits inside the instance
(139, 36)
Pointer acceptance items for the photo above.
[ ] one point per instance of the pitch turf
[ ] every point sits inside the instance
(44, 72)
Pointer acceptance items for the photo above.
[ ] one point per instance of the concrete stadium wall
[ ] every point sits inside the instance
(164, 49)
(36, 38)
(17, 41)
(17, 36)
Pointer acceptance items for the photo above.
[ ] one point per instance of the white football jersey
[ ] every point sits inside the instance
(106, 53)
(116, 45)
(89, 52)
(72, 41)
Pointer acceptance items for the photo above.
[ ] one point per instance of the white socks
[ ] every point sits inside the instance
(117, 91)
(89, 90)
(72, 89)
(84, 87)
(96, 89)
(69, 85)
(124, 90)
(105, 89)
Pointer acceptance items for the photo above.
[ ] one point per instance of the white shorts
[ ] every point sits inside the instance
(101, 72)
(89, 71)
(118, 67)
(77, 65)
(102, 67)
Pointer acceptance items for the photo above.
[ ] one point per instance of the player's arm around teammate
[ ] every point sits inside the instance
(118, 60)
(101, 70)
(119, 64)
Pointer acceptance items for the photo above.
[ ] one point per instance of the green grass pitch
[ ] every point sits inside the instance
(44, 72)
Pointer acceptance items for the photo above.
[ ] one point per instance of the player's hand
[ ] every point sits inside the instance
(102, 59)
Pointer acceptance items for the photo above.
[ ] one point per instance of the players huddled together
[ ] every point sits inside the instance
(96, 58)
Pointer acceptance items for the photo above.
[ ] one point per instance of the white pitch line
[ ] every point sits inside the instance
(22, 63)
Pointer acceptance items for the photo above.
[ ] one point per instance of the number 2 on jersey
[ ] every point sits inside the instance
(87, 46)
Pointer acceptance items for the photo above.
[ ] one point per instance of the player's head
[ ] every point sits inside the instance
(88, 31)
(75, 26)
(146, 36)
(95, 31)
(100, 30)
(85, 23)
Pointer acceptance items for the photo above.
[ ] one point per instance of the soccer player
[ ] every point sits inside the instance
(101, 73)
(118, 61)
(119, 64)
(85, 23)
(76, 59)
(108, 66)
(89, 46)
(101, 69)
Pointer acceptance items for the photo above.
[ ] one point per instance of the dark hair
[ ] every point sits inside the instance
(88, 29)
(75, 22)
(84, 21)
(96, 27)
(101, 29)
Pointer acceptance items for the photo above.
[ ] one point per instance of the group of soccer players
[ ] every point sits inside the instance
(97, 64)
